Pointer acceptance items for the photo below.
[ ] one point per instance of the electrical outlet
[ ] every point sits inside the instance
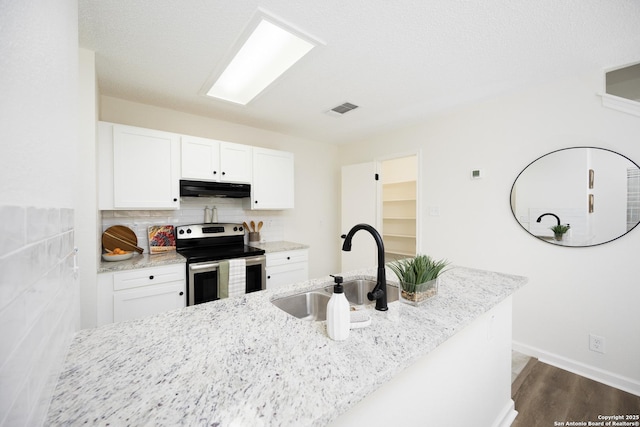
(596, 343)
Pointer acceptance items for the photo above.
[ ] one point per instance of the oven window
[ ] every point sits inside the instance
(254, 278)
(205, 287)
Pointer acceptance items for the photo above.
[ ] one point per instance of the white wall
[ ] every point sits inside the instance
(87, 217)
(572, 291)
(39, 303)
(315, 219)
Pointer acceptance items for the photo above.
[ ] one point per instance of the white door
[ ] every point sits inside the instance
(360, 205)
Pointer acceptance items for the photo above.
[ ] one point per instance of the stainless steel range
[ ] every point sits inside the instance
(206, 247)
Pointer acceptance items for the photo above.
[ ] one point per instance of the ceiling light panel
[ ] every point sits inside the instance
(269, 51)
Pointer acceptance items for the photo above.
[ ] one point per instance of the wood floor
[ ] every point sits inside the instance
(547, 396)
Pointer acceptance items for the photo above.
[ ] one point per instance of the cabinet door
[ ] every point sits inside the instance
(273, 173)
(200, 158)
(235, 162)
(145, 169)
(146, 301)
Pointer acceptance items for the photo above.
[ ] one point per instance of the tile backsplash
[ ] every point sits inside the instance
(39, 308)
(192, 212)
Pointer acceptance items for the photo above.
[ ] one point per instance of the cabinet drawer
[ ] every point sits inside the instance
(288, 257)
(148, 276)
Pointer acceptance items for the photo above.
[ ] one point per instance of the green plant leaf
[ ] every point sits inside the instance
(414, 271)
(560, 229)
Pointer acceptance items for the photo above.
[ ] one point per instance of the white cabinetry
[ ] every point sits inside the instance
(139, 168)
(200, 158)
(211, 160)
(273, 174)
(284, 268)
(139, 293)
(235, 162)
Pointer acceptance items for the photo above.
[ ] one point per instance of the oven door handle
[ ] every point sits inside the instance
(207, 266)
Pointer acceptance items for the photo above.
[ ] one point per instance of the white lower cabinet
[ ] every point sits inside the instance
(284, 268)
(139, 293)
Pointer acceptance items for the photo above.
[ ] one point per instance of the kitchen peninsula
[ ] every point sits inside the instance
(244, 362)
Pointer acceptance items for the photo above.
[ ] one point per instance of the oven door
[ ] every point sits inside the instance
(203, 281)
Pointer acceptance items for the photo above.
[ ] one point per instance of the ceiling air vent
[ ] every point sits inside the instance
(342, 109)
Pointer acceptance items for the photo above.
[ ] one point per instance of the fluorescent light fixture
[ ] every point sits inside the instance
(268, 52)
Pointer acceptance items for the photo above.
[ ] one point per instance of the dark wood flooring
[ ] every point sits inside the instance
(546, 396)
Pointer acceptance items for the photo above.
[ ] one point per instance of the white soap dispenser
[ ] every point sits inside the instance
(338, 316)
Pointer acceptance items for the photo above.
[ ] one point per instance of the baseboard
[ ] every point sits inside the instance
(508, 414)
(605, 377)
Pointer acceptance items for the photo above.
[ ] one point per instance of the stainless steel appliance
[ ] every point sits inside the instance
(205, 246)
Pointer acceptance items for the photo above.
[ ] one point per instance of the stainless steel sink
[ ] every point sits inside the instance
(356, 291)
(307, 306)
(312, 305)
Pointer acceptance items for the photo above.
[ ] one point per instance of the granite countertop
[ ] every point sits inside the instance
(142, 261)
(146, 260)
(242, 361)
(270, 247)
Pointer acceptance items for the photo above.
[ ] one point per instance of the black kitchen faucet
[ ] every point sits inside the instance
(551, 214)
(379, 292)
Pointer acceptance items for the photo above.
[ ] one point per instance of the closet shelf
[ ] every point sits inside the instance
(400, 183)
(402, 236)
(399, 218)
(399, 214)
(390, 255)
(398, 200)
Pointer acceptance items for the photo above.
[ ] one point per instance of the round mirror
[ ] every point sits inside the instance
(580, 196)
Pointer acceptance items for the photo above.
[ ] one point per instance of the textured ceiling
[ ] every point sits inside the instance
(399, 61)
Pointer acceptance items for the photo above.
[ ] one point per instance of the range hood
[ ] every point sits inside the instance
(214, 189)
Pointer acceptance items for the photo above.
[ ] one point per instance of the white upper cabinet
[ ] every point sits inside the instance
(211, 160)
(139, 168)
(200, 158)
(235, 162)
(142, 168)
(272, 186)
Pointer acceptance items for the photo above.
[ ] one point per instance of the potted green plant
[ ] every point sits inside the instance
(559, 230)
(418, 277)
